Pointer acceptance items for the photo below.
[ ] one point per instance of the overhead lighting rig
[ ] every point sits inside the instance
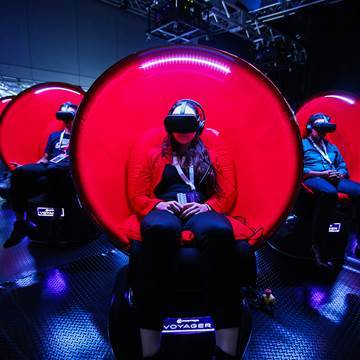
(179, 21)
(187, 21)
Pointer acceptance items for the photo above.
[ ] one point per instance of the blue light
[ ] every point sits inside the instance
(27, 280)
(56, 283)
(317, 297)
(73, 335)
(335, 309)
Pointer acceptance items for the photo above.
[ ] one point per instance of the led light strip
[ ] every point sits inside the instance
(186, 59)
(187, 331)
(343, 98)
(55, 88)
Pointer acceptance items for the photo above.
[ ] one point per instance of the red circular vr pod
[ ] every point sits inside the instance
(4, 102)
(344, 110)
(240, 103)
(30, 118)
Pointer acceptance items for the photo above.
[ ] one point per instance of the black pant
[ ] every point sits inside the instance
(215, 241)
(326, 197)
(31, 179)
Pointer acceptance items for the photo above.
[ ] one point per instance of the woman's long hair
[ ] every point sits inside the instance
(197, 154)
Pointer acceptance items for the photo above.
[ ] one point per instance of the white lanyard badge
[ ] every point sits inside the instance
(191, 181)
(61, 140)
(323, 151)
(63, 155)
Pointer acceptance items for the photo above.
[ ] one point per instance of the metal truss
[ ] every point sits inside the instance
(279, 9)
(167, 20)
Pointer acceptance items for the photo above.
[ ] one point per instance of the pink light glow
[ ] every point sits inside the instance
(55, 88)
(186, 59)
(343, 98)
(6, 100)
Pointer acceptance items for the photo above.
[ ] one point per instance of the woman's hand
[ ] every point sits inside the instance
(172, 206)
(193, 208)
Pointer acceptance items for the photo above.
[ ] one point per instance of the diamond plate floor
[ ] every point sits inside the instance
(317, 316)
(54, 304)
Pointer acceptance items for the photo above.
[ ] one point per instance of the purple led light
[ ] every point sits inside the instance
(317, 298)
(186, 59)
(343, 98)
(56, 283)
(55, 88)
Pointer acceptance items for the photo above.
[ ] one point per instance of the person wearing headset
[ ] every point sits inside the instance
(53, 167)
(326, 174)
(196, 188)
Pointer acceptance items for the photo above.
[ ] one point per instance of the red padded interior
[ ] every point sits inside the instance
(135, 95)
(344, 109)
(30, 118)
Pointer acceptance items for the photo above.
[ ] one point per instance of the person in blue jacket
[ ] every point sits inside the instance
(53, 167)
(326, 174)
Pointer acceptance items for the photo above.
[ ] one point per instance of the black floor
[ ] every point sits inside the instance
(54, 304)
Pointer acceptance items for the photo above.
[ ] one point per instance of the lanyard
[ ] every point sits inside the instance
(323, 151)
(191, 181)
(61, 140)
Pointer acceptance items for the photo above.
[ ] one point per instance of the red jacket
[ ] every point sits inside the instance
(145, 169)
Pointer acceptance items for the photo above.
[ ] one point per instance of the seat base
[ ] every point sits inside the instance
(124, 331)
(293, 238)
(58, 224)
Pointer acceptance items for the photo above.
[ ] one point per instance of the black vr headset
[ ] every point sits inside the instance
(67, 112)
(185, 116)
(321, 123)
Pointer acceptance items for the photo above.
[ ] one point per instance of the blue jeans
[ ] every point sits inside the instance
(325, 203)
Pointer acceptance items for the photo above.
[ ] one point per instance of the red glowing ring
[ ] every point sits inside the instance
(29, 119)
(135, 94)
(344, 110)
(4, 102)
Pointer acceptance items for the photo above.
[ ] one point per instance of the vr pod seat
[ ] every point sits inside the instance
(132, 98)
(294, 236)
(26, 124)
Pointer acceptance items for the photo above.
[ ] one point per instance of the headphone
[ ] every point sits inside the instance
(199, 113)
(66, 115)
(314, 117)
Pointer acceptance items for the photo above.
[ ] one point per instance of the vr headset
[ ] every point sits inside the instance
(67, 112)
(321, 123)
(185, 116)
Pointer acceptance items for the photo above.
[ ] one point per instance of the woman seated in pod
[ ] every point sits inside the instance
(183, 185)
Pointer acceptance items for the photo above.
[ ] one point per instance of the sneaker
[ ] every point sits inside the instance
(18, 233)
